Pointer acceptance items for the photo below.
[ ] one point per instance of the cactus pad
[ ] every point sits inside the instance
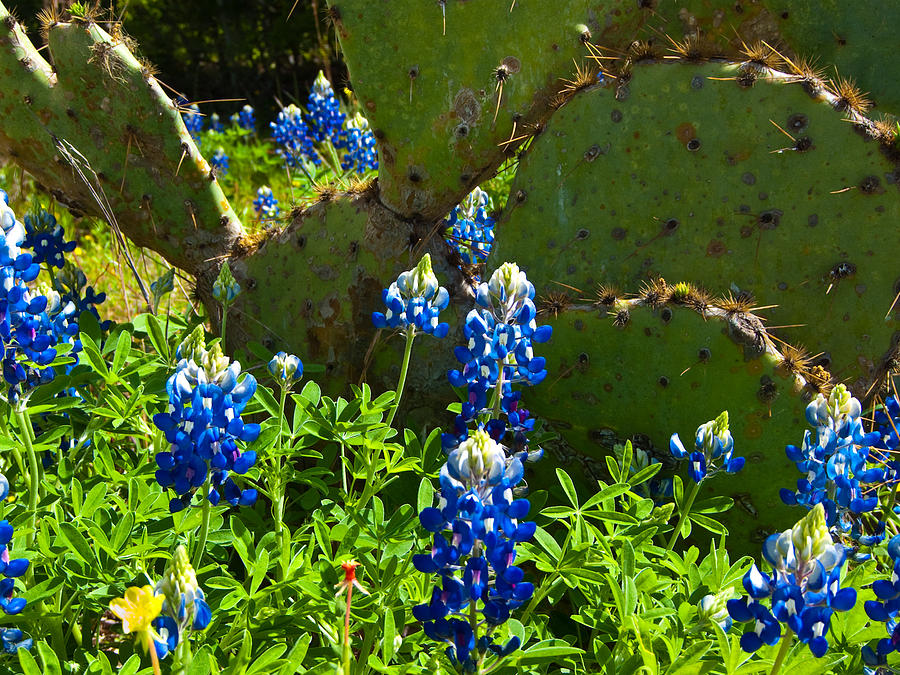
(681, 175)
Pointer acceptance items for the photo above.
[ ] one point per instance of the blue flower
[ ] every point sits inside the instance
(286, 369)
(47, 239)
(842, 465)
(358, 142)
(14, 640)
(219, 161)
(245, 119)
(485, 524)
(469, 229)
(203, 426)
(215, 125)
(193, 120)
(713, 450)
(297, 142)
(323, 111)
(803, 589)
(265, 204)
(415, 301)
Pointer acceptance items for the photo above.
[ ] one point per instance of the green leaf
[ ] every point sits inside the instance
(49, 659)
(390, 631)
(548, 543)
(268, 401)
(717, 504)
(259, 570)
(627, 561)
(201, 662)
(708, 523)
(538, 654)
(568, 486)
(425, 497)
(77, 543)
(90, 349)
(296, 655)
(687, 661)
(123, 349)
(645, 474)
(607, 493)
(261, 663)
(29, 665)
(92, 502)
(88, 324)
(157, 337)
(131, 666)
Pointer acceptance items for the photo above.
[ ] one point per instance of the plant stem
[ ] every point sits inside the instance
(204, 526)
(685, 512)
(278, 489)
(346, 650)
(410, 335)
(224, 322)
(498, 393)
(34, 478)
(786, 641)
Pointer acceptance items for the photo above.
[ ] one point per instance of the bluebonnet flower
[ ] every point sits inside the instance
(215, 124)
(804, 588)
(713, 450)
(265, 204)
(834, 460)
(499, 342)
(184, 609)
(323, 113)
(204, 426)
(193, 120)
(469, 229)
(885, 610)
(290, 131)
(358, 142)
(225, 287)
(286, 369)
(46, 238)
(414, 302)
(476, 564)
(71, 284)
(219, 161)
(245, 119)
(31, 324)
(14, 640)
(713, 609)
(11, 569)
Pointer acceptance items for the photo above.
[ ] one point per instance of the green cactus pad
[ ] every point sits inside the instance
(431, 97)
(641, 373)
(101, 102)
(311, 290)
(849, 36)
(680, 175)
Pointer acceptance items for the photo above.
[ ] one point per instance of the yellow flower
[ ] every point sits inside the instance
(137, 610)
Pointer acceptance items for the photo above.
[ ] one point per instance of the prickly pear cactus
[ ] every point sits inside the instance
(444, 103)
(100, 107)
(666, 362)
(848, 36)
(346, 249)
(731, 177)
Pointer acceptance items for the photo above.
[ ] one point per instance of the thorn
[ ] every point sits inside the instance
(837, 192)
(499, 98)
(783, 131)
(896, 297)
(293, 7)
(512, 5)
(183, 153)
